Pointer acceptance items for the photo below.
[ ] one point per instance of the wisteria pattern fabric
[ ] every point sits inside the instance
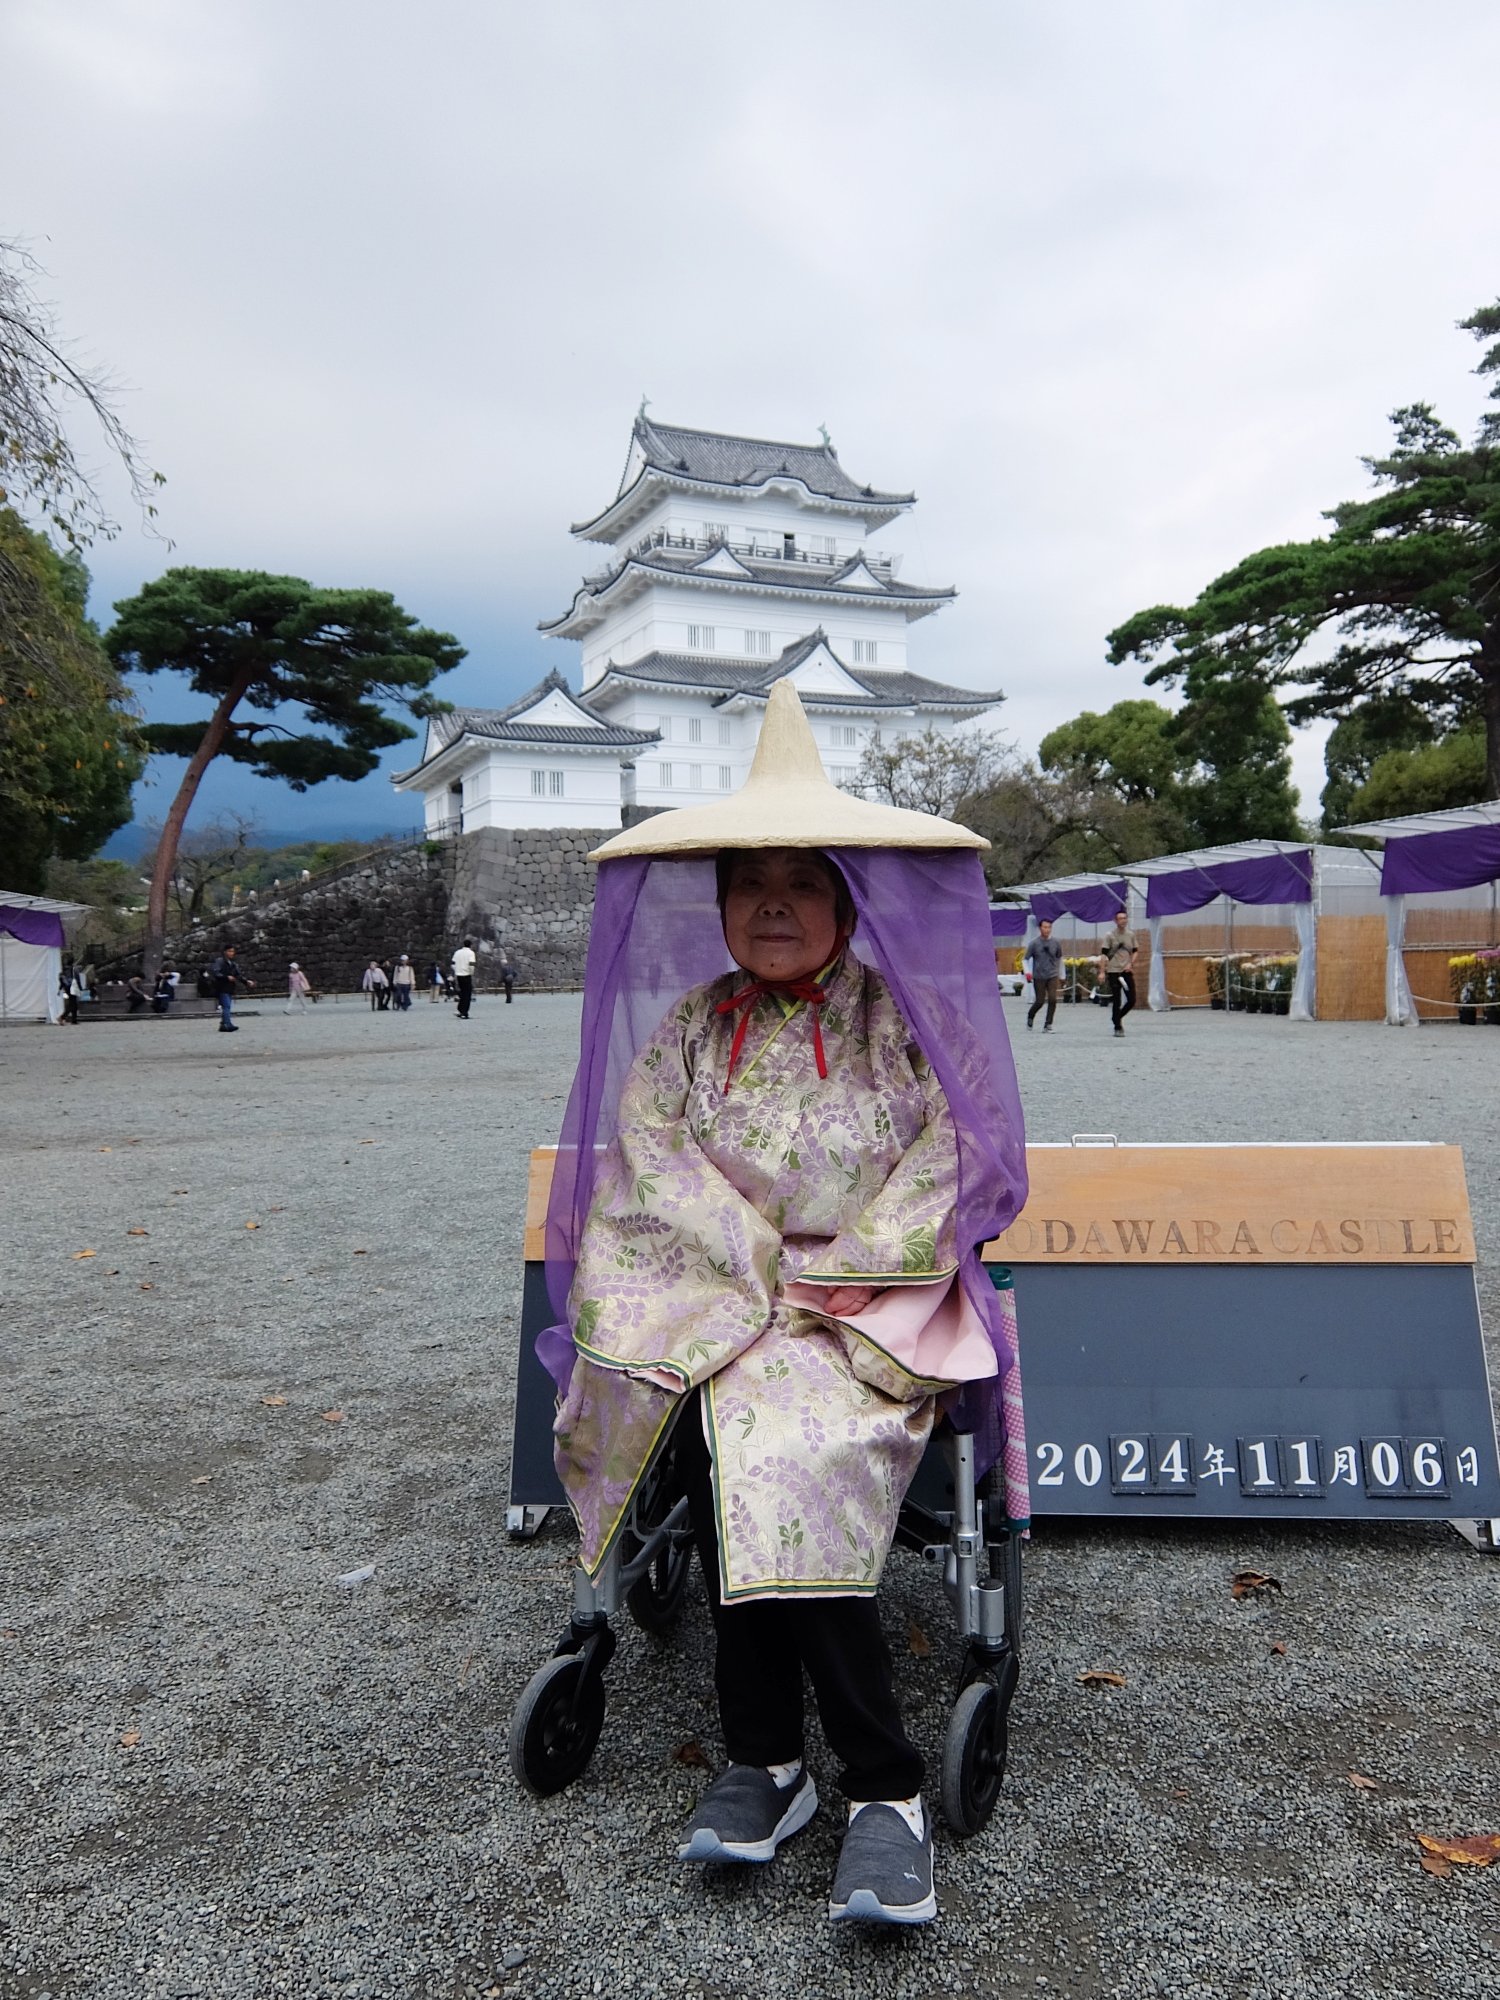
(708, 1204)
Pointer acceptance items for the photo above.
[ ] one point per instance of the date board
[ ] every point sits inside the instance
(1342, 1391)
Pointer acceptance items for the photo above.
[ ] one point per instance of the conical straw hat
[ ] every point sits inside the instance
(787, 801)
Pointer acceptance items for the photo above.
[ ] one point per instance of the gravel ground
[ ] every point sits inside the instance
(225, 1775)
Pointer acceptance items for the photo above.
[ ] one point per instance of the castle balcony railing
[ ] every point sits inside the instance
(761, 549)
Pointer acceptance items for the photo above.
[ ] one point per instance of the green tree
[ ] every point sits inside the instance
(1216, 770)
(69, 745)
(1381, 724)
(1398, 600)
(263, 649)
(1427, 779)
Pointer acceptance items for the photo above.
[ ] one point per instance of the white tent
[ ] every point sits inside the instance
(31, 938)
(1450, 826)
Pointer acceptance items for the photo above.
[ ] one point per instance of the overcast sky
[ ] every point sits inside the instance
(1123, 292)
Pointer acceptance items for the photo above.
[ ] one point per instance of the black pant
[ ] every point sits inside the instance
(70, 1009)
(763, 1647)
(1048, 993)
(510, 987)
(1121, 995)
(465, 996)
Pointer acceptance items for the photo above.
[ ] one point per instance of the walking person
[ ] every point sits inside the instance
(1117, 964)
(435, 982)
(403, 980)
(373, 983)
(227, 979)
(298, 986)
(383, 993)
(507, 973)
(70, 985)
(1045, 957)
(463, 977)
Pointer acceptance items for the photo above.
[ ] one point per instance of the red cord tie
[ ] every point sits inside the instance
(806, 990)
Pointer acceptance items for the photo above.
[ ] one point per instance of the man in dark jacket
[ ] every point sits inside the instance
(227, 978)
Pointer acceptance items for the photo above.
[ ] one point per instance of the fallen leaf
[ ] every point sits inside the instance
(1279, 1650)
(464, 1671)
(106, 1149)
(278, 1208)
(113, 1271)
(1472, 1850)
(1104, 1677)
(1361, 1783)
(333, 1416)
(361, 1253)
(8, 1632)
(917, 1641)
(274, 1402)
(179, 1190)
(692, 1754)
(1250, 1582)
(1181, 1793)
(147, 1287)
(369, 1142)
(202, 1479)
(129, 1740)
(1433, 1865)
(252, 1225)
(79, 1255)
(138, 1232)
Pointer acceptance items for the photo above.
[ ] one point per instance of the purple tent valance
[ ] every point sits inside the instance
(1460, 859)
(1094, 904)
(32, 926)
(1264, 878)
(1009, 920)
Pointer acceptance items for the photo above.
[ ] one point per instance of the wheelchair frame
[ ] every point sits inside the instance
(559, 1718)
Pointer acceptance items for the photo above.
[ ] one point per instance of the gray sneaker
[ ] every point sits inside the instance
(885, 1872)
(745, 1815)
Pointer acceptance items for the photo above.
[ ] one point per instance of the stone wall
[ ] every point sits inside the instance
(531, 891)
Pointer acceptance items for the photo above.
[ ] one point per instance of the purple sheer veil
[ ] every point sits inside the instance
(924, 925)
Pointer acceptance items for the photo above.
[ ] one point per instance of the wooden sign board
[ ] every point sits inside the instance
(1241, 1205)
(1222, 1331)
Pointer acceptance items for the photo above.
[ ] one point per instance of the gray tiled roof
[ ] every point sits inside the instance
(499, 725)
(738, 461)
(799, 580)
(882, 689)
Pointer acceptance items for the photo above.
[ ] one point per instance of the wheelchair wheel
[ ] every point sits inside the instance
(974, 1754)
(655, 1598)
(556, 1724)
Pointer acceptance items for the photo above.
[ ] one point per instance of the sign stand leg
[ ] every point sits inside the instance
(1483, 1535)
(521, 1523)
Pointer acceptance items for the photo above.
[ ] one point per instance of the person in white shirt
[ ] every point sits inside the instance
(463, 977)
(403, 980)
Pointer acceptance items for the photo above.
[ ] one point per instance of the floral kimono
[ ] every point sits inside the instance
(717, 1216)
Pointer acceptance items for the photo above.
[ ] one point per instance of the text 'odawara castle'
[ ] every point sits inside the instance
(732, 562)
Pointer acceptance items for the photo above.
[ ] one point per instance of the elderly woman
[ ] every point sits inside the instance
(767, 1274)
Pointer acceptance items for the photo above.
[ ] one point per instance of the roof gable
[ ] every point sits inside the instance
(822, 672)
(859, 576)
(720, 561)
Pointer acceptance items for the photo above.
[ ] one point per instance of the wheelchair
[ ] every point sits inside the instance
(949, 1518)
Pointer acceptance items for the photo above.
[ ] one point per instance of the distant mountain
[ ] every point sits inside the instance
(132, 841)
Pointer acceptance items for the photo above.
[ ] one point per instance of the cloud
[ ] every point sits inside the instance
(1122, 292)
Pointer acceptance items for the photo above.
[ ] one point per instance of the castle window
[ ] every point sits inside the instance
(866, 651)
(664, 726)
(695, 777)
(538, 784)
(664, 776)
(695, 729)
(726, 777)
(723, 728)
(701, 638)
(555, 784)
(844, 734)
(716, 531)
(758, 642)
(822, 545)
